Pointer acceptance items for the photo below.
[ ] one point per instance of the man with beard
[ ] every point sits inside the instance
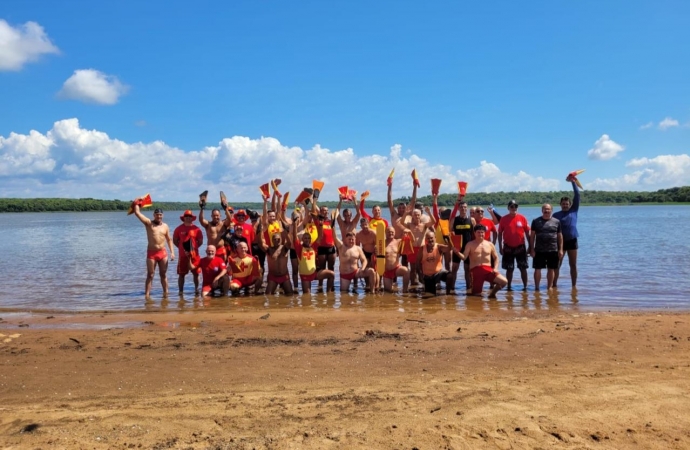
(157, 234)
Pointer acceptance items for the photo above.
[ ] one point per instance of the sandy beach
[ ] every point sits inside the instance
(345, 379)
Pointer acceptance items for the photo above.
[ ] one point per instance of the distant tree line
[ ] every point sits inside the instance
(673, 195)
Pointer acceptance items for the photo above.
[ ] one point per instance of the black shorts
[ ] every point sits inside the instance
(293, 254)
(570, 244)
(513, 254)
(456, 259)
(545, 260)
(368, 255)
(326, 251)
(430, 281)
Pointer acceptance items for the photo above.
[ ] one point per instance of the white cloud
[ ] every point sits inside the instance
(92, 86)
(647, 126)
(660, 172)
(604, 148)
(667, 123)
(71, 161)
(22, 44)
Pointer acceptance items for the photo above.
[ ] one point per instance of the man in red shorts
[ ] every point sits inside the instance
(214, 272)
(157, 234)
(513, 230)
(483, 263)
(277, 259)
(393, 267)
(190, 235)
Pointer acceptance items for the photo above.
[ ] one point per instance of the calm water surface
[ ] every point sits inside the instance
(96, 261)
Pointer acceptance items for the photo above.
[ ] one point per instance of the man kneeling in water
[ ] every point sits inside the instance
(214, 272)
(483, 263)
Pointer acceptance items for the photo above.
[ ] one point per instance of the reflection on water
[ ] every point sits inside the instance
(96, 261)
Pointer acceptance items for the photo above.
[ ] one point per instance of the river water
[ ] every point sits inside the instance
(70, 262)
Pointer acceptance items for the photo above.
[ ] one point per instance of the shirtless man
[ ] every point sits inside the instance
(214, 273)
(215, 230)
(345, 221)
(157, 234)
(393, 267)
(306, 256)
(418, 230)
(430, 264)
(366, 237)
(353, 263)
(483, 263)
(183, 233)
(277, 259)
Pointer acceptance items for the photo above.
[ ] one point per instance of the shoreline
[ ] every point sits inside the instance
(350, 379)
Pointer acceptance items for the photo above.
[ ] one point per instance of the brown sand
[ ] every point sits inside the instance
(347, 379)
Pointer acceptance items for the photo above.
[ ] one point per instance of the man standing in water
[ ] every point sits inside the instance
(545, 246)
(568, 218)
(512, 231)
(187, 232)
(157, 234)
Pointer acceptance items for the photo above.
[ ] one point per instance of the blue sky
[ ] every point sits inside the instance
(114, 99)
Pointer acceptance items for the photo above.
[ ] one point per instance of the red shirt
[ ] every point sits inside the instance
(489, 224)
(210, 268)
(514, 229)
(183, 232)
(326, 235)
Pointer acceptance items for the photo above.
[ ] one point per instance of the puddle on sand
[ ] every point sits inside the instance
(71, 325)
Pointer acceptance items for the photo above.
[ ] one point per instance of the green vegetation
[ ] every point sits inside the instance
(673, 195)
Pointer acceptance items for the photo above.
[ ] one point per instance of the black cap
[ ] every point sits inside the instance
(158, 211)
(511, 203)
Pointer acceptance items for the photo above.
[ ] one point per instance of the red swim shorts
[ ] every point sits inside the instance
(348, 276)
(308, 278)
(278, 279)
(241, 282)
(390, 274)
(480, 275)
(157, 255)
(220, 251)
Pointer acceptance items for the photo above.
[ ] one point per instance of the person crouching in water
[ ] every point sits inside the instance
(483, 263)
(214, 272)
(430, 264)
(306, 256)
(245, 270)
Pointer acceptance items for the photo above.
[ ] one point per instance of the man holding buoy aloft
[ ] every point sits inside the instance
(568, 218)
(157, 234)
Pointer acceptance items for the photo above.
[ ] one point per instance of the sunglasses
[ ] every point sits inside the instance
(480, 210)
(512, 207)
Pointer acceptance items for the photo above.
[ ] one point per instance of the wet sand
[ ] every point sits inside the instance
(316, 379)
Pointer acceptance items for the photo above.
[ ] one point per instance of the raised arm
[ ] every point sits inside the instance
(362, 212)
(202, 220)
(391, 208)
(145, 220)
(431, 224)
(576, 198)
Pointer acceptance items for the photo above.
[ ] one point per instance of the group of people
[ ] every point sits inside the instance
(252, 252)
